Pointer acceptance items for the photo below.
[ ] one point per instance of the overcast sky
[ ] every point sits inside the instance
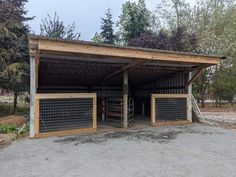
(85, 13)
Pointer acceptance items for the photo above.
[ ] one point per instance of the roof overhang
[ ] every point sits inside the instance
(90, 64)
(72, 47)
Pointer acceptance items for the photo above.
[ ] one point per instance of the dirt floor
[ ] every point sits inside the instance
(192, 150)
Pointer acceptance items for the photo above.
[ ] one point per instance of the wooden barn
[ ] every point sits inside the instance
(84, 87)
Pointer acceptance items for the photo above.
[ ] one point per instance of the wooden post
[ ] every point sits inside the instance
(32, 94)
(103, 101)
(125, 99)
(153, 110)
(189, 104)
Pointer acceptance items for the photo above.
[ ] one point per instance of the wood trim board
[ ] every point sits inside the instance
(154, 119)
(64, 132)
(64, 95)
(121, 52)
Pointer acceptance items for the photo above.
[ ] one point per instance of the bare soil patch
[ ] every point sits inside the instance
(13, 120)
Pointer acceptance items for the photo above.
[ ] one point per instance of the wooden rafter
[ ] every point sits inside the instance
(126, 67)
(194, 77)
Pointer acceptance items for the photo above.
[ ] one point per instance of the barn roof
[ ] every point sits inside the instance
(73, 46)
(86, 63)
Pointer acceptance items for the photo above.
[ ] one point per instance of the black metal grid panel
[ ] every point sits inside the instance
(171, 109)
(65, 114)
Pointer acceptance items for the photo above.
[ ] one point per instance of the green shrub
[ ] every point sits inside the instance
(7, 129)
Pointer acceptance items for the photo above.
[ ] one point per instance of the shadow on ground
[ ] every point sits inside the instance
(163, 135)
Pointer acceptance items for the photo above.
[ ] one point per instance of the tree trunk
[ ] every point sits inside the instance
(203, 103)
(15, 101)
(216, 102)
(220, 103)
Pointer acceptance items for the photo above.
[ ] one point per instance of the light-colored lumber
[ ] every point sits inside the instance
(167, 123)
(66, 132)
(112, 51)
(64, 95)
(170, 95)
(194, 77)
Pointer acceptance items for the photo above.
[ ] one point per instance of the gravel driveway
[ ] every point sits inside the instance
(184, 151)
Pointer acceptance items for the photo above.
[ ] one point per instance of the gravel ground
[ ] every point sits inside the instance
(224, 119)
(184, 151)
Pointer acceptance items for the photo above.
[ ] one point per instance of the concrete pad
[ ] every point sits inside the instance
(183, 151)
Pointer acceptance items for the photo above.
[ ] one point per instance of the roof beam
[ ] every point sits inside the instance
(194, 77)
(126, 67)
(175, 74)
(123, 52)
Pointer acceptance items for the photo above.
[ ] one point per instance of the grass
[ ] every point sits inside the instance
(8, 129)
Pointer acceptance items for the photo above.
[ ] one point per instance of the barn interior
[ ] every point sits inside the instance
(105, 76)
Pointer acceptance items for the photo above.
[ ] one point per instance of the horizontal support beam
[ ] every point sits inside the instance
(121, 52)
(64, 95)
(124, 68)
(169, 123)
(66, 132)
(170, 95)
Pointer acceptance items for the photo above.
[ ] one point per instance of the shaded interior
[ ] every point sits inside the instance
(60, 73)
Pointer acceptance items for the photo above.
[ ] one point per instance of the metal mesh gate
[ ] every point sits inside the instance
(171, 109)
(65, 114)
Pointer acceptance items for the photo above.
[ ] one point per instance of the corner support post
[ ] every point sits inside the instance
(125, 99)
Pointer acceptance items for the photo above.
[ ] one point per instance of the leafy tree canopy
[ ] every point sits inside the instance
(14, 57)
(54, 27)
(134, 20)
(107, 33)
(178, 40)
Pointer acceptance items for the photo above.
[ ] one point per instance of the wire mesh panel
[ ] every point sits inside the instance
(171, 109)
(65, 114)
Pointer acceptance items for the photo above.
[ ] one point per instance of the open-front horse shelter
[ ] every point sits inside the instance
(85, 87)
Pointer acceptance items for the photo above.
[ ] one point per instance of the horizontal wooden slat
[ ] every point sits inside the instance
(65, 95)
(170, 95)
(182, 122)
(83, 48)
(66, 132)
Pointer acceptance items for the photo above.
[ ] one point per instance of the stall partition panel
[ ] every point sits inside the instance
(65, 112)
(169, 109)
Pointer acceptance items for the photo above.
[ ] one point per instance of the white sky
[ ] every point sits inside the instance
(85, 13)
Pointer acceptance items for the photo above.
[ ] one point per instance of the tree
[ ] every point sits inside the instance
(54, 27)
(152, 40)
(107, 33)
(214, 23)
(14, 57)
(97, 38)
(134, 20)
(178, 40)
(202, 85)
(172, 14)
